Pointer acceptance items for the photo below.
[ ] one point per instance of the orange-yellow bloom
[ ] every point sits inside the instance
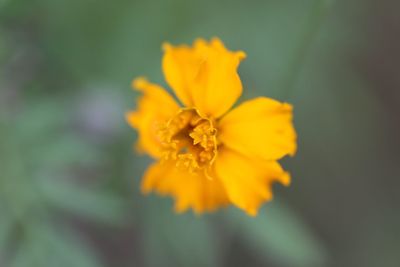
(207, 157)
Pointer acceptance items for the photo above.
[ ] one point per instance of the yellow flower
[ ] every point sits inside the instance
(206, 156)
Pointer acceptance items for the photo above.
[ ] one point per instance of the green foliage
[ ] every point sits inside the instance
(278, 234)
(43, 245)
(96, 205)
(179, 240)
(38, 154)
(53, 176)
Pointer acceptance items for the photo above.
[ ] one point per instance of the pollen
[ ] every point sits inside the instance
(189, 139)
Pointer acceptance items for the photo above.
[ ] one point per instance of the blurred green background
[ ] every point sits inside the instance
(68, 175)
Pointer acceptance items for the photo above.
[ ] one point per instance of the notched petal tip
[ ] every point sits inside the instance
(253, 209)
(285, 179)
(293, 152)
(199, 42)
(131, 118)
(139, 83)
(166, 46)
(218, 44)
(287, 106)
(241, 55)
(252, 212)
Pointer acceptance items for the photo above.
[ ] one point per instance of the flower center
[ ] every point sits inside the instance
(189, 139)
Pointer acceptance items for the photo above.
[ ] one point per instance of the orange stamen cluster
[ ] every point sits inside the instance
(189, 139)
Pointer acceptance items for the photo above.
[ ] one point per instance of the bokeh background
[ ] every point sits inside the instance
(69, 177)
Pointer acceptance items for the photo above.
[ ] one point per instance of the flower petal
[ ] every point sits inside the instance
(190, 190)
(261, 128)
(180, 66)
(155, 106)
(248, 181)
(204, 76)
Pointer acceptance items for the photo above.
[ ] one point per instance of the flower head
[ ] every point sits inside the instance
(207, 156)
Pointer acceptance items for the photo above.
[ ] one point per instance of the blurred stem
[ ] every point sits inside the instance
(318, 13)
